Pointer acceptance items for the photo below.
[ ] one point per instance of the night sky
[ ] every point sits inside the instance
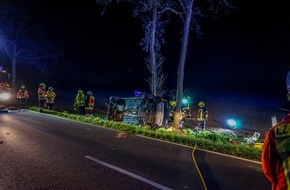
(246, 52)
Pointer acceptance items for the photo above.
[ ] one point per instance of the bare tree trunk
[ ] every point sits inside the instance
(152, 51)
(13, 74)
(181, 66)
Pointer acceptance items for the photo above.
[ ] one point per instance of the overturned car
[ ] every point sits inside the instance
(145, 109)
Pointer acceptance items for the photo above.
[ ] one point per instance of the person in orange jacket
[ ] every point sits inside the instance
(276, 150)
(90, 103)
(41, 96)
(22, 96)
(276, 155)
(50, 96)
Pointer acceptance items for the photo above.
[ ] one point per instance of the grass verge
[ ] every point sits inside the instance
(208, 140)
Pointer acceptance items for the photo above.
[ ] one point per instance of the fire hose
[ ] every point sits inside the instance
(197, 168)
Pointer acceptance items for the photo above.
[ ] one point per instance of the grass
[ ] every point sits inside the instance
(208, 140)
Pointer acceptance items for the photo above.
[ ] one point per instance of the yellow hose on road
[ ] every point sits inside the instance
(197, 168)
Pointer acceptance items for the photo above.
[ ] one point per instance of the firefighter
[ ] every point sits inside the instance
(80, 102)
(50, 96)
(202, 115)
(90, 103)
(172, 105)
(41, 96)
(276, 154)
(22, 96)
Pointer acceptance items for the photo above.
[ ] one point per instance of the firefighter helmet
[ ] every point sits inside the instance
(172, 103)
(201, 104)
(50, 88)
(22, 87)
(89, 93)
(42, 85)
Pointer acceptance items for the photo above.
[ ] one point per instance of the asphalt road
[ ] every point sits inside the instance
(45, 152)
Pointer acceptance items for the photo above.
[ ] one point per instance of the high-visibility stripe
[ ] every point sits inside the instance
(286, 166)
(91, 101)
(202, 114)
(282, 135)
(282, 131)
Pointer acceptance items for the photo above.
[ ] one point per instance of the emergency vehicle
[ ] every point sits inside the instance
(5, 90)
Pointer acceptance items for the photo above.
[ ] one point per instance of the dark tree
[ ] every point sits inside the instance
(22, 37)
(191, 12)
(151, 12)
(160, 76)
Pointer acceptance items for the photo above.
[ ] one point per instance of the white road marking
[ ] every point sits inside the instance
(152, 183)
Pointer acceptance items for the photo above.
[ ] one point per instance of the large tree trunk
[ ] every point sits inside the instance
(13, 65)
(13, 73)
(180, 77)
(152, 51)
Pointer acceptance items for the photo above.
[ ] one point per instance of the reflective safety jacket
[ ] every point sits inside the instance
(90, 103)
(276, 155)
(80, 100)
(202, 114)
(50, 96)
(41, 93)
(22, 94)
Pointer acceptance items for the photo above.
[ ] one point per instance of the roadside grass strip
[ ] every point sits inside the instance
(207, 140)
